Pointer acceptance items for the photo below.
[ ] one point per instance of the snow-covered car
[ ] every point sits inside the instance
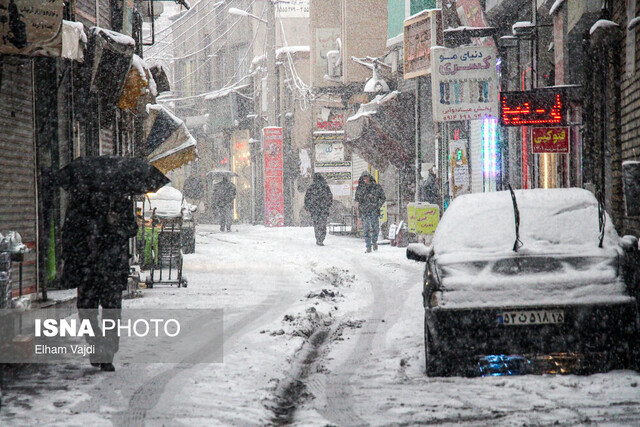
(531, 275)
(169, 202)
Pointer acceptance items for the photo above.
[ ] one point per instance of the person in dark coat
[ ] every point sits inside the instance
(370, 197)
(95, 245)
(429, 188)
(224, 193)
(317, 201)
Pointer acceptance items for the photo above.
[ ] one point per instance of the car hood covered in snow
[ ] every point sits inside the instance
(559, 261)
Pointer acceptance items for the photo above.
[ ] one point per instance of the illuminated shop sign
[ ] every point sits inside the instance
(531, 108)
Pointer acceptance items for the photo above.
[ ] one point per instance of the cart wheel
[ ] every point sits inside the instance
(184, 282)
(149, 283)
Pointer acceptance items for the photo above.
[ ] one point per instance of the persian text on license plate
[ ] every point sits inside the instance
(531, 317)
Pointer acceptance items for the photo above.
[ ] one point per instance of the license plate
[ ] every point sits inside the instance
(530, 317)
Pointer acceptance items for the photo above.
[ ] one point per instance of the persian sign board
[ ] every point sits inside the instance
(335, 171)
(273, 184)
(292, 9)
(550, 140)
(459, 167)
(420, 33)
(423, 217)
(538, 107)
(464, 83)
(31, 27)
(329, 146)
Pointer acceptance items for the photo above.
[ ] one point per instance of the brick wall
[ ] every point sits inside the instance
(630, 102)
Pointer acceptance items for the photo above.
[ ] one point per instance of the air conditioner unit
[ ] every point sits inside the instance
(334, 65)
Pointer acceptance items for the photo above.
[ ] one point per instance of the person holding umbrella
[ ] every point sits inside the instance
(224, 192)
(95, 238)
(317, 201)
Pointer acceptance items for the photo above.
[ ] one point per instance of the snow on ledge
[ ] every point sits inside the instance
(555, 7)
(604, 24)
(115, 36)
(292, 50)
(633, 23)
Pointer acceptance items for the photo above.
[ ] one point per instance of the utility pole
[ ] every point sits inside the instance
(272, 84)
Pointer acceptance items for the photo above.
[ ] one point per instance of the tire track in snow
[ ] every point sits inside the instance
(336, 387)
(147, 396)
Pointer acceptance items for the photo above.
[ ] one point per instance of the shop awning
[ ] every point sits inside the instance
(139, 87)
(382, 131)
(74, 40)
(169, 143)
(229, 107)
(159, 73)
(108, 58)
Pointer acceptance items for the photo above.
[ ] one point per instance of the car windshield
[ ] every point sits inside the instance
(552, 221)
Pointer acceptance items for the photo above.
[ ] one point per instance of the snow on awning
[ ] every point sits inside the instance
(382, 131)
(74, 40)
(602, 24)
(138, 86)
(169, 143)
(114, 36)
(108, 59)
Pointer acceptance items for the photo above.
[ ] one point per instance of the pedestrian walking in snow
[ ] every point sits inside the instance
(95, 243)
(224, 193)
(429, 188)
(317, 201)
(370, 198)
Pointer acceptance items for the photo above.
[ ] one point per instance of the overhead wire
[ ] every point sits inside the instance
(176, 38)
(239, 65)
(214, 53)
(177, 22)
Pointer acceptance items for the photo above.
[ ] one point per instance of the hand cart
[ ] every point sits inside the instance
(160, 247)
(167, 268)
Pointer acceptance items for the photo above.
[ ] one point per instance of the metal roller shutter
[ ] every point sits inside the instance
(17, 162)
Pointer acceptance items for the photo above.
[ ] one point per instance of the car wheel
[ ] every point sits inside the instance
(435, 365)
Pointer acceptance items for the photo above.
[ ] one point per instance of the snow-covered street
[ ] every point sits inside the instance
(312, 336)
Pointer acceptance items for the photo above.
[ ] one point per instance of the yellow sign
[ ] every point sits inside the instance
(383, 213)
(423, 217)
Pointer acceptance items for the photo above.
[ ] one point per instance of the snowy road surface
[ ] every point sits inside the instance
(363, 365)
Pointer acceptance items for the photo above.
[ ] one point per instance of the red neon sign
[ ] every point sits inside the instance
(531, 108)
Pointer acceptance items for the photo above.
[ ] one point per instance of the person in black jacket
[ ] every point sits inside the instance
(224, 193)
(317, 200)
(370, 198)
(95, 245)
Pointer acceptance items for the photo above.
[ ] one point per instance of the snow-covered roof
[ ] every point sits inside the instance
(633, 23)
(604, 24)
(415, 15)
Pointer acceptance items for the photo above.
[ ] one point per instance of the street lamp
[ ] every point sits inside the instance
(240, 12)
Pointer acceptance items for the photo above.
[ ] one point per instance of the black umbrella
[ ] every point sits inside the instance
(111, 175)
